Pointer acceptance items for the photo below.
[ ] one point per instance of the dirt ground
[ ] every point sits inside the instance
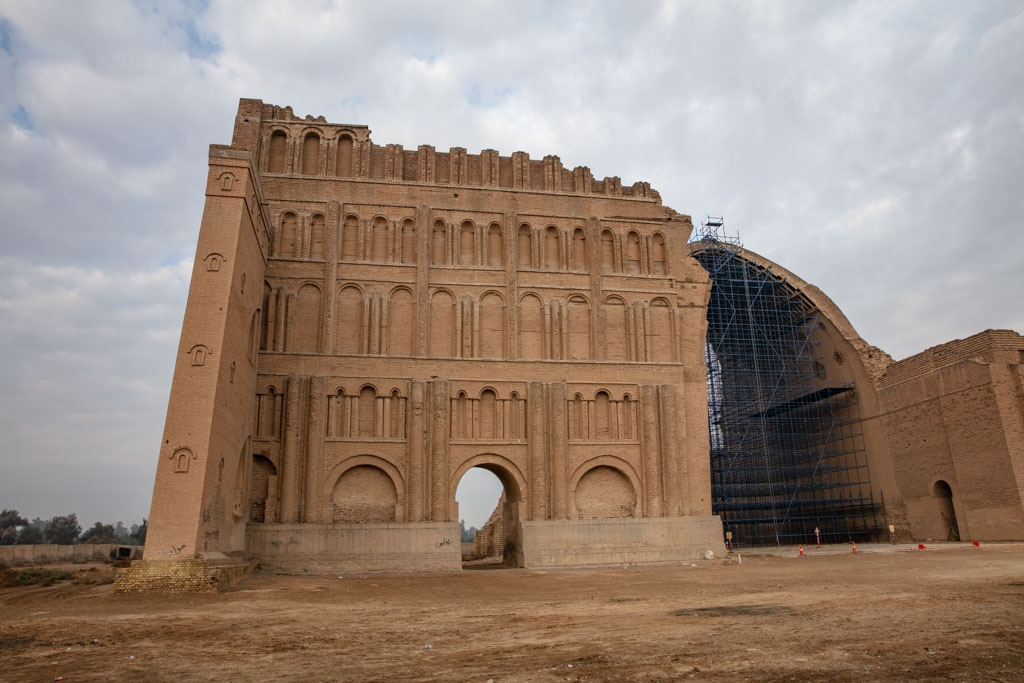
(911, 615)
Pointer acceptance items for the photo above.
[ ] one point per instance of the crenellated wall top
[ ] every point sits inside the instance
(286, 144)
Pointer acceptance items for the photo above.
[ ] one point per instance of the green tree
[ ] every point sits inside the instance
(10, 520)
(100, 533)
(467, 535)
(138, 535)
(30, 535)
(63, 529)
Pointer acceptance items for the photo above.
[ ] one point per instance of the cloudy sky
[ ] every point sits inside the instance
(876, 149)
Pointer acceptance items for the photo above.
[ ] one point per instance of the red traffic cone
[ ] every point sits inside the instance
(854, 547)
(801, 550)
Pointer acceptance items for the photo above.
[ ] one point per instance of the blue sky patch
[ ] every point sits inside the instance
(22, 119)
(5, 35)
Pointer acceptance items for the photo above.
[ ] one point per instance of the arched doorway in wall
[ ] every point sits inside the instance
(263, 490)
(488, 499)
(943, 494)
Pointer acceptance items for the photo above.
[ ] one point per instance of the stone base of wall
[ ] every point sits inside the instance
(189, 575)
(332, 548)
(604, 542)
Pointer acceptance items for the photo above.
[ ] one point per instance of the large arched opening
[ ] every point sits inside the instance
(488, 500)
(788, 449)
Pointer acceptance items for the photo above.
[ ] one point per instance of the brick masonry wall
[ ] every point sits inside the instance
(950, 416)
(191, 575)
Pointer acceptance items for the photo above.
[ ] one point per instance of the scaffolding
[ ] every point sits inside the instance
(787, 450)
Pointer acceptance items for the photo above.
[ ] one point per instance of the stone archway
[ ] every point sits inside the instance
(513, 501)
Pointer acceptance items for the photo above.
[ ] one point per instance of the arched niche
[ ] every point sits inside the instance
(335, 476)
(288, 246)
(343, 166)
(311, 154)
(492, 325)
(303, 329)
(277, 156)
(613, 489)
(467, 243)
(579, 249)
(316, 237)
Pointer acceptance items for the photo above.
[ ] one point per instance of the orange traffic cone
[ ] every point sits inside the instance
(801, 550)
(854, 547)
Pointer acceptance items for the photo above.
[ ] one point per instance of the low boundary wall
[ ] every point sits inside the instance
(49, 552)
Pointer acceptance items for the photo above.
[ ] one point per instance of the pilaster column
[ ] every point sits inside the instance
(439, 411)
(537, 450)
(650, 446)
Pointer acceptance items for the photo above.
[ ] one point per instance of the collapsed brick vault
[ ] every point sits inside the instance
(365, 323)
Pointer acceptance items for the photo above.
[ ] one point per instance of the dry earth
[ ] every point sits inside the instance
(938, 614)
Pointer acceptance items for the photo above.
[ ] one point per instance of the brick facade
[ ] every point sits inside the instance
(366, 323)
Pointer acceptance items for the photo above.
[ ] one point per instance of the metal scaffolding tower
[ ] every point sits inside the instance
(787, 451)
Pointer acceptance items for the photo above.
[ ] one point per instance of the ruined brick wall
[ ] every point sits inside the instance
(490, 539)
(954, 417)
